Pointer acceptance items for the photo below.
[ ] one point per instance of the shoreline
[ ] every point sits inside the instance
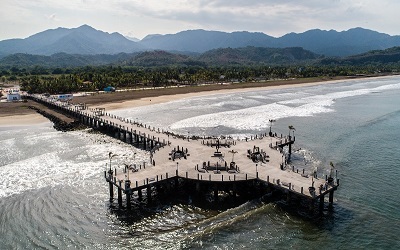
(144, 101)
(22, 116)
(22, 120)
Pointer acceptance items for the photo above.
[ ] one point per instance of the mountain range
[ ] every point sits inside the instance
(86, 40)
(245, 56)
(83, 40)
(216, 57)
(328, 43)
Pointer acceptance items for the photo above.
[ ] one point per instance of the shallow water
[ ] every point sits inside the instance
(53, 193)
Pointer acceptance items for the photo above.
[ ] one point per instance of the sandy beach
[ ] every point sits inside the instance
(22, 120)
(167, 98)
(18, 114)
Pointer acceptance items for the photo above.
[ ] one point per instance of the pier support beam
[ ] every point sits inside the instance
(176, 180)
(331, 199)
(321, 203)
(311, 205)
(148, 194)
(215, 194)
(128, 193)
(140, 197)
(111, 189)
(288, 197)
(128, 199)
(120, 194)
(234, 191)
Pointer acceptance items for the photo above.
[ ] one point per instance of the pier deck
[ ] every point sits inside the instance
(216, 160)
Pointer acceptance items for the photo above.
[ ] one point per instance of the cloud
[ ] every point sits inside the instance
(273, 17)
(267, 16)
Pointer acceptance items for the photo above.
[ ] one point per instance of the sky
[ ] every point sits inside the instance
(138, 18)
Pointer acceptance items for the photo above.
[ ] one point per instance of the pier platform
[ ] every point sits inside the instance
(218, 162)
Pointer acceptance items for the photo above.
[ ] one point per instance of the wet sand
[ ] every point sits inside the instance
(137, 98)
(19, 113)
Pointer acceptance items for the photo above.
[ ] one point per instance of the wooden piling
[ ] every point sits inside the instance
(111, 189)
(140, 195)
(331, 199)
(321, 203)
(120, 194)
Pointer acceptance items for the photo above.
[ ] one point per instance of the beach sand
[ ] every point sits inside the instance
(22, 120)
(18, 113)
(167, 98)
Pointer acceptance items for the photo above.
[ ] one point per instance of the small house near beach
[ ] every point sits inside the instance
(63, 97)
(13, 95)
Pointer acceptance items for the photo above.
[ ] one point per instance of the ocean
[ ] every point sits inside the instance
(53, 194)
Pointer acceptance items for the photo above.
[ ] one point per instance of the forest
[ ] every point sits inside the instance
(97, 78)
(41, 74)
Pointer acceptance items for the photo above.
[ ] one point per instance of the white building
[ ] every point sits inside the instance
(63, 97)
(13, 95)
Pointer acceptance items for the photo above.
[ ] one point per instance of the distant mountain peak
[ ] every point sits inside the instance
(87, 40)
(85, 26)
(150, 36)
(81, 40)
(132, 38)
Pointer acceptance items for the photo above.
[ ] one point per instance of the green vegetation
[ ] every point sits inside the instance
(96, 78)
(165, 69)
(388, 57)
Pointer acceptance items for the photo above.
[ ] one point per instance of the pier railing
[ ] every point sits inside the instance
(159, 142)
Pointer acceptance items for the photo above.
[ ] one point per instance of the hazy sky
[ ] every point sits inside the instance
(138, 18)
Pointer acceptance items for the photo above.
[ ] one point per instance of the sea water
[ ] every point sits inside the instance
(53, 193)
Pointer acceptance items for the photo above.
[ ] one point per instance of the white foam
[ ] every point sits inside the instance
(65, 164)
(254, 117)
(257, 117)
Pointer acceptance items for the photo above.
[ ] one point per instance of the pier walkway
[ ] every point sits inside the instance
(221, 161)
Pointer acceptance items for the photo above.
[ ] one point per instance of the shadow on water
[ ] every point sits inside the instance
(206, 204)
(329, 219)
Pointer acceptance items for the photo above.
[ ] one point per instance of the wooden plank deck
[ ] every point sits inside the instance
(195, 153)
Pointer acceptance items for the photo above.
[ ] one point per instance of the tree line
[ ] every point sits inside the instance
(90, 78)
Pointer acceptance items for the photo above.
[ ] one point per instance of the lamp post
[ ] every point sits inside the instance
(134, 160)
(128, 171)
(270, 126)
(256, 170)
(291, 128)
(110, 156)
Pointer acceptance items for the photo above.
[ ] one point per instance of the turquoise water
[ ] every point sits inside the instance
(53, 194)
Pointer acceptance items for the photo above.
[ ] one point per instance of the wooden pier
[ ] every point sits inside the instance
(219, 164)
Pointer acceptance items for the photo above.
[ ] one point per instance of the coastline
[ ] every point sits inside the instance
(144, 101)
(19, 115)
